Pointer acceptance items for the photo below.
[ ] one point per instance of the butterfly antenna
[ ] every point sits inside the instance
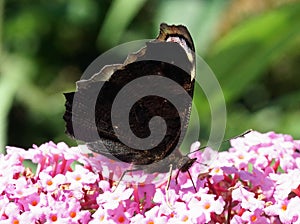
(226, 140)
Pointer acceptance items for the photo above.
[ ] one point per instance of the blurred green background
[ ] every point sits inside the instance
(253, 47)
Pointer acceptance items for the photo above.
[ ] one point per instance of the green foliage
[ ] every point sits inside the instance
(242, 60)
(246, 52)
(122, 12)
(45, 47)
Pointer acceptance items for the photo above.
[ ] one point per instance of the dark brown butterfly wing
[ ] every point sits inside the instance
(170, 56)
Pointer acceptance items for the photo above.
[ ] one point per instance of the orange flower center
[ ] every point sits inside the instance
(49, 182)
(121, 219)
(207, 206)
(34, 203)
(185, 218)
(101, 218)
(241, 157)
(253, 218)
(53, 218)
(72, 214)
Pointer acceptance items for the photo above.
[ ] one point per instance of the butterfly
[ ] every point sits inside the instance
(138, 112)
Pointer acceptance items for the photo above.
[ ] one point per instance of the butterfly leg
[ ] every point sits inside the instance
(122, 176)
(192, 181)
(167, 187)
(177, 174)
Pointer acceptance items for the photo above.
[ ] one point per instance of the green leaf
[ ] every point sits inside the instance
(119, 15)
(15, 71)
(244, 54)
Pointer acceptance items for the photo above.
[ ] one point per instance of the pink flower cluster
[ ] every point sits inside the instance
(256, 181)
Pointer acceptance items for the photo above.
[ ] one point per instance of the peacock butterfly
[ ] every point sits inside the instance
(146, 126)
